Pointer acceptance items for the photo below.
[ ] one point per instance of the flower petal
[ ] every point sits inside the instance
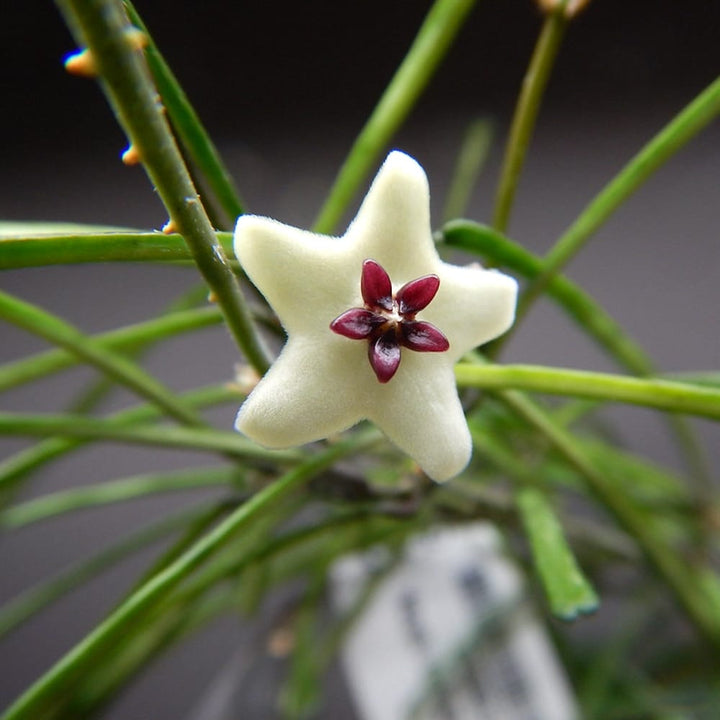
(311, 392)
(356, 323)
(384, 354)
(417, 294)
(393, 223)
(472, 306)
(298, 272)
(421, 413)
(375, 286)
(322, 384)
(423, 337)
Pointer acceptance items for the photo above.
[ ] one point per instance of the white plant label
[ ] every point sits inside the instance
(448, 635)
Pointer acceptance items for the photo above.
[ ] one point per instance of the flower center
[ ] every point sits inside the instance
(388, 321)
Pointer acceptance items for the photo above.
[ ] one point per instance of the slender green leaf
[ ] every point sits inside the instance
(675, 135)
(663, 394)
(90, 397)
(35, 250)
(23, 228)
(483, 240)
(468, 165)
(301, 693)
(30, 602)
(568, 591)
(82, 427)
(546, 472)
(590, 316)
(691, 595)
(709, 378)
(188, 127)
(102, 27)
(84, 655)
(432, 42)
(16, 467)
(122, 490)
(191, 534)
(122, 340)
(526, 111)
(46, 325)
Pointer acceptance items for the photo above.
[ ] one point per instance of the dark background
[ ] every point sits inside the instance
(253, 67)
(284, 87)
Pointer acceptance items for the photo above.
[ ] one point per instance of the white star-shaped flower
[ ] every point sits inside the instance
(378, 361)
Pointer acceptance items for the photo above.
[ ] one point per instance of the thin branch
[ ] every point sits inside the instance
(662, 394)
(102, 26)
(427, 51)
(41, 322)
(526, 112)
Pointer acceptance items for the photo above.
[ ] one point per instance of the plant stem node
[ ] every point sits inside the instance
(136, 38)
(81, 63)
(131, 156)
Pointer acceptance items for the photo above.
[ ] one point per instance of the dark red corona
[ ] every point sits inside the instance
(388, 322)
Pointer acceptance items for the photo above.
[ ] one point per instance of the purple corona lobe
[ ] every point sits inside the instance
(423, 337)
(375, 286)
(356, 323)
(384, 354)
(417, 294)
(388, 322)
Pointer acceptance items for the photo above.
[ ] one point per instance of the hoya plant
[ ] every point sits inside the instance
(374, 407)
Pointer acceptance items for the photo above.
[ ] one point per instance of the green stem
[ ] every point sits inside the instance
(32, 703)
(122, 340)
(427, 51)
(590, 316)
(210, 598)
(568, 591)
(90, 397)
(57, 331)
(526, 112)
(470, 161)
(33, 600)
(662, 394)
(63, 249)
(129, 488)
(84, 428)
(102, 26)
(344, 532)
(677, 133)
(190, 130)
(698, 604)
(192, 532)
(14, 468)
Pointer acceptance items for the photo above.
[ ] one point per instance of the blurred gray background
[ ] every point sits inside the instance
(284, 87)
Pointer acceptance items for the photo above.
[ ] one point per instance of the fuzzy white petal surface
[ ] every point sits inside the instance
(472, 306)
(421, 413)
(323, 383)
(393, 223)
(308, 279)
(311, 392)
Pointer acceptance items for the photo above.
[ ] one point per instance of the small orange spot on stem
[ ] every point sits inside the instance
(136, 38)
(131, 156)
(81, 63)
